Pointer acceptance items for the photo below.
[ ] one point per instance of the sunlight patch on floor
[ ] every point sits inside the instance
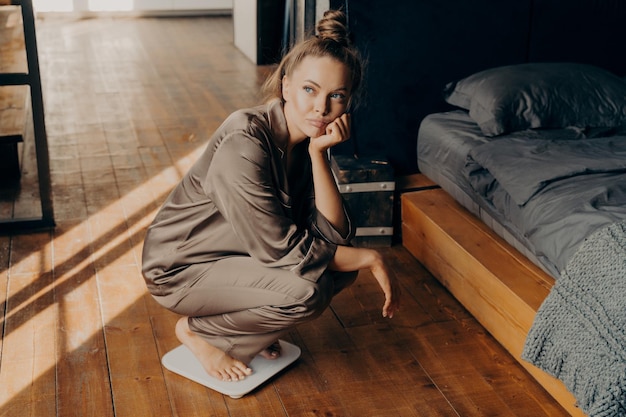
(28, 353)
(97, 284)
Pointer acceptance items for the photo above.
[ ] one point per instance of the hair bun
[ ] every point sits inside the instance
(334, 25)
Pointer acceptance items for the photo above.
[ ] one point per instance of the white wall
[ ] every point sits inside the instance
(79, 6)
(244, 19)
(320, 7)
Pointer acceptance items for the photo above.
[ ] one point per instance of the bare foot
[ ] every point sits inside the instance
(214, 361)
(272, 351)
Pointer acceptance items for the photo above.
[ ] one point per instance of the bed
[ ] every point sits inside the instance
(538, 152)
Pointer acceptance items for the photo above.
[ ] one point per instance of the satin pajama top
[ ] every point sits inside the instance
(237, 200)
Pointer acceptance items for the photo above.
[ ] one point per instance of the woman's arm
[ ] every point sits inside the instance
(348, 258)
(328, 200)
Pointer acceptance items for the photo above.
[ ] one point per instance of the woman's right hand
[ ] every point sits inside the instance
(336, 132)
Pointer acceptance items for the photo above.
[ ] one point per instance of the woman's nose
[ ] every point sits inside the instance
(321, 106)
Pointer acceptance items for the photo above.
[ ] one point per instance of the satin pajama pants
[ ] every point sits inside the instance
(242, 307)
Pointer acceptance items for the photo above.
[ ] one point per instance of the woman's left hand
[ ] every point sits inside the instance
(389, 284)
(337, 131)
(348, 258)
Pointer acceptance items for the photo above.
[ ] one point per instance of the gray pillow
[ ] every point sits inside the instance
(540, 95)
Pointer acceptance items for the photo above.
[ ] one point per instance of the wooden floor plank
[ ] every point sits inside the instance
(82, 359)
(5, 250)
(134, 362)
(27, 374)
(384, 352)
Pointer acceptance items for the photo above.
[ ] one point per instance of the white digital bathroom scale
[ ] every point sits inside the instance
(182, 362)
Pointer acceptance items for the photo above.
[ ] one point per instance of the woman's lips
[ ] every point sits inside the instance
(318, 123)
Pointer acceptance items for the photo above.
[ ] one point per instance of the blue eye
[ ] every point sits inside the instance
(307, 89)
(338, 96)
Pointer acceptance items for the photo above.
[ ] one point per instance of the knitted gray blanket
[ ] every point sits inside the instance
(579, 332)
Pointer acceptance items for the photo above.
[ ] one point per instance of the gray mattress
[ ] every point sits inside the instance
(448, 149)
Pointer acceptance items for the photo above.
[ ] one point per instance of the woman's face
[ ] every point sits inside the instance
(315, 94)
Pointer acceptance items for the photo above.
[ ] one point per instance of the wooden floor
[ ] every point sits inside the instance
(129, 105)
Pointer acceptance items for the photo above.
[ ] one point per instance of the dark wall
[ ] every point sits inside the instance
(590, 31)
(415, 47)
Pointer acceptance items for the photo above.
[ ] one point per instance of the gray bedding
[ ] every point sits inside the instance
(563, 194)
(557, 192)
(569, 201)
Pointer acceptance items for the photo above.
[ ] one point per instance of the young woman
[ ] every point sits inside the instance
(255, 238)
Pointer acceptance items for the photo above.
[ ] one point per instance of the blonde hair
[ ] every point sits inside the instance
(332, 40)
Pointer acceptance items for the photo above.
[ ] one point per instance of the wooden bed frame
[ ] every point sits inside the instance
(447, 41)
(494, 281)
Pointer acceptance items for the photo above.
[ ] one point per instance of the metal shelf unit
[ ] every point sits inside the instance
(32, 79)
